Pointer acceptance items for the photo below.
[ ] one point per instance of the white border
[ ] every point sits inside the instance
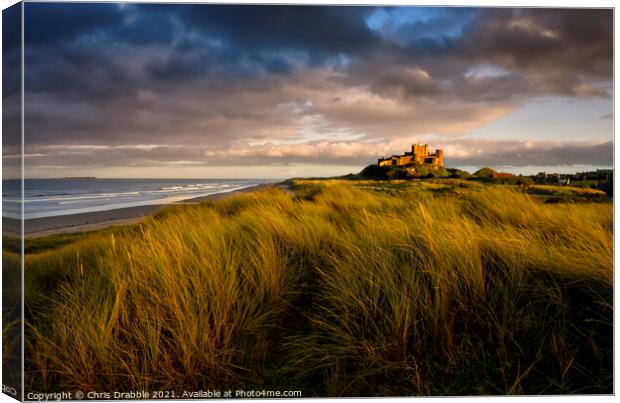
(470, 3)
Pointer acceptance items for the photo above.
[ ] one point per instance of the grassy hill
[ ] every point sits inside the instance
(485, 172)
(396, 172)
(458, 173)
(343, 288)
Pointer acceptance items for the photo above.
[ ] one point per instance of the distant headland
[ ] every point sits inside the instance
(420, 163)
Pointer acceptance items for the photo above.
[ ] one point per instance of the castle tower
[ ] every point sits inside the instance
(419, 151)
(439, 157)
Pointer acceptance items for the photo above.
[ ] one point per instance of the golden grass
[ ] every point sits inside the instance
(344, 288)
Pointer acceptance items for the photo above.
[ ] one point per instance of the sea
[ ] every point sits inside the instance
(57, 197)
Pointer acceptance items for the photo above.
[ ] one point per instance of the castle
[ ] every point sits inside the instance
(418, 155)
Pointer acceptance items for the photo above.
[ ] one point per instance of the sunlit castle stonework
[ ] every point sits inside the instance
(418, 156)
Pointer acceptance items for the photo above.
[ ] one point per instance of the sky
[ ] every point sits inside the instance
(221, 91)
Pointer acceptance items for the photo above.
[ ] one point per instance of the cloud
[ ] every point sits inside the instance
(48, 23)
(317, 30)
(11, 94)
(460, 153)
(431, 28)
(405, 82)
(279, 84)
(531, 153)
(356, 154)
(11, 50)
(561, 47)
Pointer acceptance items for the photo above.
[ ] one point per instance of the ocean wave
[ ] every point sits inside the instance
(50, 210)
(81, 196)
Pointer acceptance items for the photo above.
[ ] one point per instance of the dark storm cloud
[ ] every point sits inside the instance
(548, 51)
(52, 23)
(256, 37)
(11, 50)
(520, 38)
(178, 67)
(569, 39)
(320, 30)
(140, 29)
(72, 72)
(48, 23)
(11, 86)
(558, 51)
(11, 28)
(551, 51)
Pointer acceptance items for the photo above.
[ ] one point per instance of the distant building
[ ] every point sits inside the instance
(552, 179)
(500, 175)
(418, 155)
(598, 175)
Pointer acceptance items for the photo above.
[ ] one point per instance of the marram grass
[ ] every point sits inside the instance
(340, 289)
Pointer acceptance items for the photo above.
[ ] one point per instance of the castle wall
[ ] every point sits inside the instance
(419, 155)
(404, 160)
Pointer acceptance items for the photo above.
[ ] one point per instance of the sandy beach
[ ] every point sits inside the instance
(39, 227)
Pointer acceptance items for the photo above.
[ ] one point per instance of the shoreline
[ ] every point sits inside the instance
(91, 221)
